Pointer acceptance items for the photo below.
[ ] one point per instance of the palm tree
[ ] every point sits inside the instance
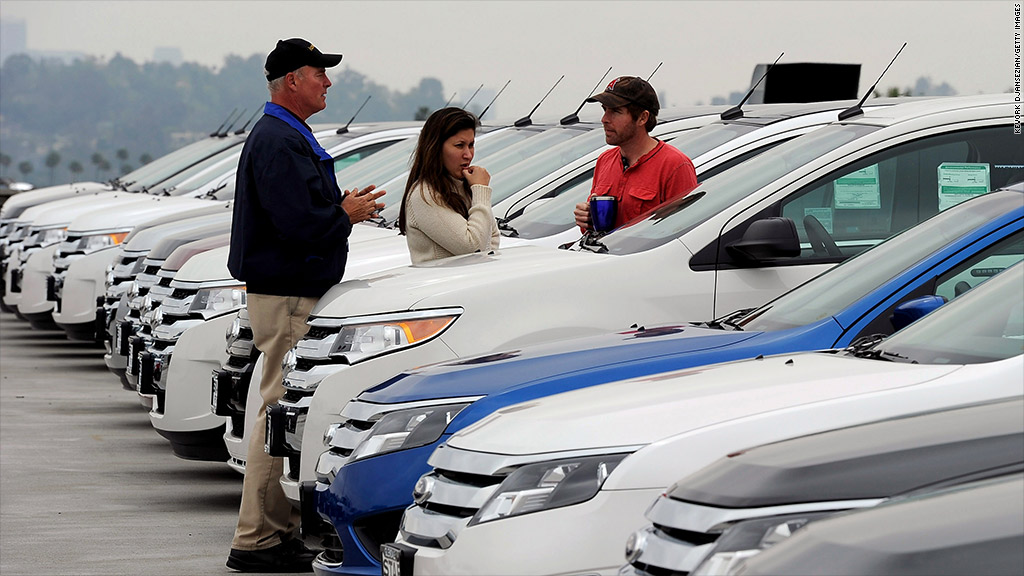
(52, 161)
(25, 167)
(76, 168)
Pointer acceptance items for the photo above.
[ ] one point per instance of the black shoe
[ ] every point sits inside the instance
(290, 556)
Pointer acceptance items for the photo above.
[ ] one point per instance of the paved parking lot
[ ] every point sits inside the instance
(87, 486)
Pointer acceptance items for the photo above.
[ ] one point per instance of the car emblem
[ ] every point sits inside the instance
(423, 490)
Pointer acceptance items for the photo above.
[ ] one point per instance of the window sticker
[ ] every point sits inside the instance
(824, 215)
(859, 190)
(959, 181)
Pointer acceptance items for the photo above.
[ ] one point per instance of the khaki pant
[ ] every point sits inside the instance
(266, 518)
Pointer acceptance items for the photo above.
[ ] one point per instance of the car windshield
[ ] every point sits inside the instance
(199, 173)
(985, 324)
(841, 286)
(514, 178)
(486, 146)
(696, 143)
(164, 167)
(675, 218)
(379, 168)
(541, 143)
(554, 212)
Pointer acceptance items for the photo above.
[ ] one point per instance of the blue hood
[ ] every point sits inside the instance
(515, 376)
(497, 372)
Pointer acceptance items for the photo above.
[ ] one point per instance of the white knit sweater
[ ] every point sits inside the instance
(434, 231)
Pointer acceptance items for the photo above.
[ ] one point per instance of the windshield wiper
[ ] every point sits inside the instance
(592, 243)
(213, 193)
(899, 357)
(381, 222)
(727, 321)
(864, 347)
(504, 226)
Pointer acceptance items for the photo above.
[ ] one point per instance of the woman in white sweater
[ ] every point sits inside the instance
(446, 209)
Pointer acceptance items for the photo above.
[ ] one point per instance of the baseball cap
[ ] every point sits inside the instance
(294, 53)
(628, 90)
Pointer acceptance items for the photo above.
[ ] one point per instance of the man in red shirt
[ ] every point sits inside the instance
(641, 172)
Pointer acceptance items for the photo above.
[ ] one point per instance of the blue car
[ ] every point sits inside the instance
(365, 481)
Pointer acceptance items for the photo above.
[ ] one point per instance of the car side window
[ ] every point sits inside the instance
(860, 205)
(983, 266)
(957, 280)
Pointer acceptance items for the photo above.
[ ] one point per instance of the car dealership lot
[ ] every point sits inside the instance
(99, 492)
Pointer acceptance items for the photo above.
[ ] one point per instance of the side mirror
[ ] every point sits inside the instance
(766, 239)
(912, 310)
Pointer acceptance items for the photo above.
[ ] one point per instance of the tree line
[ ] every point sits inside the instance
(92, 119)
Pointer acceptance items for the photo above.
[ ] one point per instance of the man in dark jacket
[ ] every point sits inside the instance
(289, 244)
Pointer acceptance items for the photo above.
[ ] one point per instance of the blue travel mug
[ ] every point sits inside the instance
(602, 213)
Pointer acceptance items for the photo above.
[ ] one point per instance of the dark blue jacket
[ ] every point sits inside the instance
(289, 235)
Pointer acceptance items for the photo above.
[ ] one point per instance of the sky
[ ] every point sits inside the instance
(705, 49)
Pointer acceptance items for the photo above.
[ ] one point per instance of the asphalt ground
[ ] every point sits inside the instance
(87, 486)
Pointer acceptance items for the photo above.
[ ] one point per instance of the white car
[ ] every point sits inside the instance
(356, 142)
(556, 485)
(740, 239)
(191, 177)
(136, 266)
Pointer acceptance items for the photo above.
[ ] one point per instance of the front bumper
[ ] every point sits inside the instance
(364, 505)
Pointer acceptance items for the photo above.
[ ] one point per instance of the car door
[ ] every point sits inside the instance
(865, 200)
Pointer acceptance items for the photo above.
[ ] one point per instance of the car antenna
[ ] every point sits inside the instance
(466, 103)
(574, 117)
(450, 99)
(249, 121)
(231, 124)
(216, 132)
(493, 99)
(526, 121)
(344, 128)
(856, 110)
(737, 110)
(658, 67)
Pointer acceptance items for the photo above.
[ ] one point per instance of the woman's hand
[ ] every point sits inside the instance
(476, 175)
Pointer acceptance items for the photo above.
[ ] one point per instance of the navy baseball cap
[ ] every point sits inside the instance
(294, 53)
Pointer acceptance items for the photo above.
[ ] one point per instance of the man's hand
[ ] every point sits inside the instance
(361, 205)
(582, 215)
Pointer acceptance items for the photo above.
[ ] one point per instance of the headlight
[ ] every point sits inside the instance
(360, 341)
(47, 237)
(405, 429)
(213, 302)
(749, 538)
(90, 244)
(547, 485)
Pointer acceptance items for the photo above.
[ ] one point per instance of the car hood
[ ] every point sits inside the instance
(172, 241)
(208, 266)
(127, 215)
(62, 212)
(876, 460)
(147, 238)
(439, 283)
(15, 205)
(640, 411)
(545, 365)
